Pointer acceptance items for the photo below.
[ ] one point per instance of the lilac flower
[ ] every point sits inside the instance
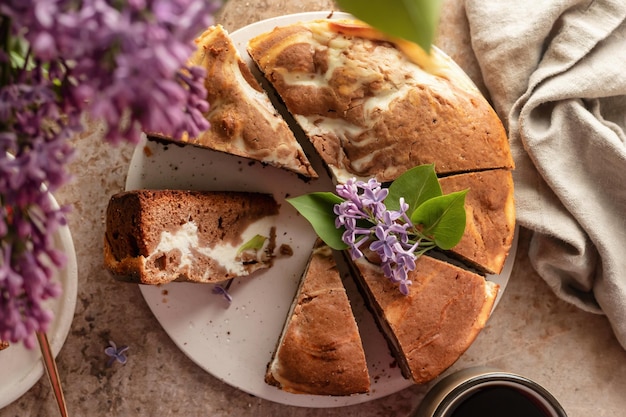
(373, 193)
(115, 354)
(123, 62)
(404, 287)
(385, 244)
(391, 234)
(223, 291)
(349, 191)
(123, 59)
(347, 212)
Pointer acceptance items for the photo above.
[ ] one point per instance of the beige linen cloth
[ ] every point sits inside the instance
(556, 72)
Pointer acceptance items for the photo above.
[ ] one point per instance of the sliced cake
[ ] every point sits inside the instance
(159, 236)
(428, 329)
(490, 217)
(320, 350)
(243, 120)
(370, 110)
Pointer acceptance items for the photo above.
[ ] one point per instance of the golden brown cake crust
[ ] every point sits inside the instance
(320, 352)
(370, 112)
(3, 344)
(490, 217)
(432, 326)
(243, 120)
(136, 221)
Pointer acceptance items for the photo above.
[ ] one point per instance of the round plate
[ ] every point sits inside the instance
(235, 343)
(21, 367)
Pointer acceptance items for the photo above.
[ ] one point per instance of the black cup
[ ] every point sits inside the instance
(488, 392)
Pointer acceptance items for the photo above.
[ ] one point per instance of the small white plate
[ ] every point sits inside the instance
(235, 343)
(21, 368)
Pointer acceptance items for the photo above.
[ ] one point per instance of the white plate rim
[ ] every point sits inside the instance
(31, 369)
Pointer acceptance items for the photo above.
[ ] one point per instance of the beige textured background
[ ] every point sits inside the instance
(572, 353)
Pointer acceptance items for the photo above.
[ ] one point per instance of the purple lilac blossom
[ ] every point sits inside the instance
(223, 291)
(388, 231)
(115, 354)
(123, 62)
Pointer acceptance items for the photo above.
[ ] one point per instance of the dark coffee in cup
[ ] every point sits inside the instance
(499, 401)
(488, 393)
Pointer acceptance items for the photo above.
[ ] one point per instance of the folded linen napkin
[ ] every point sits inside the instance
(556, 72)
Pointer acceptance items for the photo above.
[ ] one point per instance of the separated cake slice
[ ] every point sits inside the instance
(490, 218)
(158, 236)
(428, 329)
(370, 110)
(320, 350)
(243, 120)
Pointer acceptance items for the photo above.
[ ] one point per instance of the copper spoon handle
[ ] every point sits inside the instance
(52, 371)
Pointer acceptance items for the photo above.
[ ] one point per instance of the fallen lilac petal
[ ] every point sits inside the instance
(115, 354)
(223, 291)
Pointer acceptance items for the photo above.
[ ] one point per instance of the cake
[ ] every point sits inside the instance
(430, 328)
(490, 218)
(371, 106)
(374, 107)
(3, 345)
(159, 236)
(243, 120)
(320, 350)
(372, 112)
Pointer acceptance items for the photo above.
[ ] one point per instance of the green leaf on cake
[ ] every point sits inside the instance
(416, 186)
(413, 20)
(442, 218)
(318, 209)
(256, 243)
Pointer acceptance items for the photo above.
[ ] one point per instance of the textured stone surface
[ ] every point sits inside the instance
(572, 353)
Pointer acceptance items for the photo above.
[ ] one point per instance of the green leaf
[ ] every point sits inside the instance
(255, 243)
(413, 20)
(416, 186)
(442, 218)
(317, 208)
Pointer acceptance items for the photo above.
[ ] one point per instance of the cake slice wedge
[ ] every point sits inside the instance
(490, 218)
(242, 117)
(428, 329)
(320, 350)
(370, 111)
(159, 236)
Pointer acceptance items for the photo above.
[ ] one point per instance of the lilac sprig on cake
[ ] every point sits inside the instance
(390, 226)
(389, 234)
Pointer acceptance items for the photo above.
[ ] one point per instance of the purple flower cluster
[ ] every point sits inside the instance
(390, 234)
(33, 151)
(123, 62)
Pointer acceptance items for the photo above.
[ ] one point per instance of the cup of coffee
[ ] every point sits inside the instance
(488, 392)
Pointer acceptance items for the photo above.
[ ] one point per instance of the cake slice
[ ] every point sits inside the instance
(243, 120)
(490, 218)
(320, 350)
(159, 236)
(3, 345)
(371, 111)
(428, 329)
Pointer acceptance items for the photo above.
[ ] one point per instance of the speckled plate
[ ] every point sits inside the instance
(234, 343)
(21, 368)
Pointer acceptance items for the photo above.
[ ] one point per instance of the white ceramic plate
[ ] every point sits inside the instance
(21, 368)
(235, 343)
